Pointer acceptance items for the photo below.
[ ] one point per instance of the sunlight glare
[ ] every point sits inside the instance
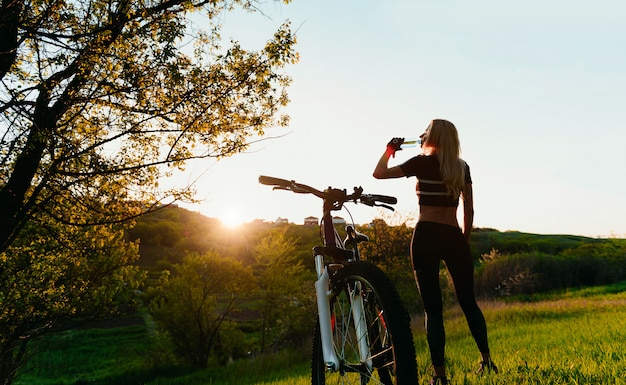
(231, 218)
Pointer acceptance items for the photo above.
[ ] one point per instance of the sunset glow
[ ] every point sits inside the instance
(231, 218)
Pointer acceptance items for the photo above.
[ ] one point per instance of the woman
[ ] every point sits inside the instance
(442, 177)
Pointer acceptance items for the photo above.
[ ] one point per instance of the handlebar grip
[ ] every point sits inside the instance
(271, 181)
(385, 199)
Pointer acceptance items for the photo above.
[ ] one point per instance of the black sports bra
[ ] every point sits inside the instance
(430, 188)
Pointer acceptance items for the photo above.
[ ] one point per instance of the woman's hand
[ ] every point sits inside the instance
(382, 170)
(394, 145)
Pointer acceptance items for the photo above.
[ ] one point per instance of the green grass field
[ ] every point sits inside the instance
(575, 337)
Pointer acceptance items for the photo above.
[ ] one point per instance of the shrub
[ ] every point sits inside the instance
(531, 272)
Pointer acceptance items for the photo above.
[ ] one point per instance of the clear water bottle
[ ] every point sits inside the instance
(410, 143)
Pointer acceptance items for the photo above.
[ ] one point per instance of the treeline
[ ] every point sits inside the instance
(218, 293)
(168, 234)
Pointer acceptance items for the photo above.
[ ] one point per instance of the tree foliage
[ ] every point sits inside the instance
(194, 303)
(386, 242)
(99, 99)
(282, 295)
(592, 264)
(54, 274)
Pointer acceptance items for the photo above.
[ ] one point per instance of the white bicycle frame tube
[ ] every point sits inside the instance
(360, 326)
(323, 292)
(323, 310)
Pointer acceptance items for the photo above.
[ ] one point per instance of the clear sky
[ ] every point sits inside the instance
(537, 90)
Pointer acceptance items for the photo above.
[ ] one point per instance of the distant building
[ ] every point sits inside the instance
(339, 221)
(311, 221)
(281, 221)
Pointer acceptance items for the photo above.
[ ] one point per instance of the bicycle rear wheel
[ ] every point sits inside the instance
(391, 356)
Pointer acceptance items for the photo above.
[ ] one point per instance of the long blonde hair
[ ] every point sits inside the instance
(443, 138)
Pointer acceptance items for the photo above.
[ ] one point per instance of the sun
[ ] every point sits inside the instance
(231, 218)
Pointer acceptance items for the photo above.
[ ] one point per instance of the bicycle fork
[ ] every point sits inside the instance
(322, 289)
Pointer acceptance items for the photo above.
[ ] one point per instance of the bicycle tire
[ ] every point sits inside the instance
(389, 332)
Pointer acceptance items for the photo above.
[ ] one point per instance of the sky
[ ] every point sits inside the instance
(537, 90)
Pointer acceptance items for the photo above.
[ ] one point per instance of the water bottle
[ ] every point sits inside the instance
(410, 143)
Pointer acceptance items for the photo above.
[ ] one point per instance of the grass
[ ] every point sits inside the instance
(111, 355)
(572, 337)
(557, 342)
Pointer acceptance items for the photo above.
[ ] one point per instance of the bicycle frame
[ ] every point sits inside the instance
(334, 247)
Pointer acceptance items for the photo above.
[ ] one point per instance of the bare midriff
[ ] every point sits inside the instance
(439, 214)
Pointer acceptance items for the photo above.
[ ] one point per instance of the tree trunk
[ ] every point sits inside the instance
(13, 196)
(10, 12)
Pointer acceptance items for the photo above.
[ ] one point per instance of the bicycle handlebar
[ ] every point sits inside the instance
(337, 197)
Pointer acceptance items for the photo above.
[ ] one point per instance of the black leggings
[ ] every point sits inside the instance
(433, 242)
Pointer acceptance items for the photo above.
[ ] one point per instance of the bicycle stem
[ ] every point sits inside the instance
(329, 229)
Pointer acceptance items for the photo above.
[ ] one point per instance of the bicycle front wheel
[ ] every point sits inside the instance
(371, 333)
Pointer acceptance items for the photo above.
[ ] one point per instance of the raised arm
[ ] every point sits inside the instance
(382, 170)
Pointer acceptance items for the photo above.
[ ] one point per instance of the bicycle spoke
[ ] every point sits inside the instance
(370, 332)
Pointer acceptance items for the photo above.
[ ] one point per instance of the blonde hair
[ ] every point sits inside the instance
(443, 138)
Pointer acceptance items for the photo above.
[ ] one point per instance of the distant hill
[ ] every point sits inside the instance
(511, 242)
(169, 233)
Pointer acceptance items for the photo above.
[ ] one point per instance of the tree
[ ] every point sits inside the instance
(283, 296)
(57, 273)
(386, 242)
(193, 305)
(98, 101)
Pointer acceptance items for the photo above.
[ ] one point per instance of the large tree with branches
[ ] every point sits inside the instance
(99, 99)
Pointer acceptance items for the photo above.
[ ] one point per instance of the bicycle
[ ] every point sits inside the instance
(362, 333)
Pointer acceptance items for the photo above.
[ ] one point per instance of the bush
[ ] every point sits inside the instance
(193, 305)
(531, 272)
(400, 272)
